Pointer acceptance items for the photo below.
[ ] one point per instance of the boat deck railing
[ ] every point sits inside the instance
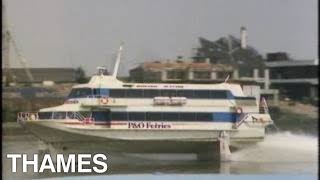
(84, 120)
(241, 119)
(27, 116)
(32, 116)
(78, 116)
(263, 106)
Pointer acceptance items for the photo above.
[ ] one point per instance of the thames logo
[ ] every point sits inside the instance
(62, 165)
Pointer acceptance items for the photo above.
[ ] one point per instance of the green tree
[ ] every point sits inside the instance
(81, 75)
(219, 52)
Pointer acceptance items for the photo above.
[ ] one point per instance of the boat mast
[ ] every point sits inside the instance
(116, 66)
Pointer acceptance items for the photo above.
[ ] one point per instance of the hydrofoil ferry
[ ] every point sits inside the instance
(107, 114)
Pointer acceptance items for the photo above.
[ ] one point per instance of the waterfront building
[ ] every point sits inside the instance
(180, 70)
(296, 79)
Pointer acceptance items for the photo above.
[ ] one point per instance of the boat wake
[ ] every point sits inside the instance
(281, 147)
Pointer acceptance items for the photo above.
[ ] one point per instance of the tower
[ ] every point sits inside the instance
(243, 36)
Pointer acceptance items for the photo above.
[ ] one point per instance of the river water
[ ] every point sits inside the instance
(280, 153)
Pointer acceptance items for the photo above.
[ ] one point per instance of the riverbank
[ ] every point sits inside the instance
(296, 117)
(297, 123)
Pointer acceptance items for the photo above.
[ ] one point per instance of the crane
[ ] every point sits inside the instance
(21, 58)
(9, 37)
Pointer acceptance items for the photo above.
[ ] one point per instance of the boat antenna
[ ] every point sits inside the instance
(226, 79)
(116, 66)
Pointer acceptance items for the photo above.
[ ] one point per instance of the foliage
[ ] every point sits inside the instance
(81, 75)
(228, 51)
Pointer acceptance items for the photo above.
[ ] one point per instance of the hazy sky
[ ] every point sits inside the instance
(72, 33)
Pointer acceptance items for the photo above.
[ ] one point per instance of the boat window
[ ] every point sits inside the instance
(80, 92)
(169, 93)
(59, 115)
(230, 95)
(171, 116)
(204, 117)
(154, 116)
(151, 93)
(244, 98)
(96, 92)
(119, 116)
(185, 93)
(70, 115)
(202, 94)
(118, 93)
(104, 92)
(45, 115)
(134, 93)
(187, 117)
(101, 116)
(224, 117)
(136, 116)
(219, 94)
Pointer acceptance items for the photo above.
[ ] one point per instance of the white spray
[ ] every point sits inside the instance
(281, 147)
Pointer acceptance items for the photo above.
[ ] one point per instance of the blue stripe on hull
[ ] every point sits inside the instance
(105, 116)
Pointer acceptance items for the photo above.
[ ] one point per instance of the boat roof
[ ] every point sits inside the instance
(105, 81)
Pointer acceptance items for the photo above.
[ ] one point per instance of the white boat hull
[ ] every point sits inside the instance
(91, 138)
